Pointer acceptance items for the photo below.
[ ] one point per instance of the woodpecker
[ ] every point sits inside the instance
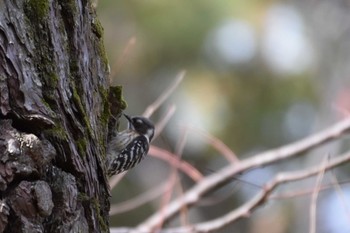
(130, 146)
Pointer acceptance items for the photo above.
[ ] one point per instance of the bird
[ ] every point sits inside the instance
(128, 147)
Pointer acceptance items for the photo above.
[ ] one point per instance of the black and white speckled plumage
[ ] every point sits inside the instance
(130, 146)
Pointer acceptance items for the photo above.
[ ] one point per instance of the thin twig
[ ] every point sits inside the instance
(160, 100)
(260, 199)
(179, 151)
(166, 199)
(248, 207)
(305, 192)
(313, 204)
(113, 181)
(164, 120)
(120, 61)
(182, 165)
(184, 209)
(173, 176)
(225, 175)
(218, 145)
(341, 195)
(138, 201)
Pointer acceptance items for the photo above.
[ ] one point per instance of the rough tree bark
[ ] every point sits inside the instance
(54, 117)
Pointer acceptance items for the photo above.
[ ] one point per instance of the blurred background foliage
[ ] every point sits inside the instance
(260, 74)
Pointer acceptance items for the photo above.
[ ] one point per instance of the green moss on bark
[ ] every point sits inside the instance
(101, 219)
(116, 92)
(81, 144)
(97, 29)
(80, 109)
(36, 10)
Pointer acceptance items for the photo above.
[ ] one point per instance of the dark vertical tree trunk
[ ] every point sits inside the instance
(54, 116)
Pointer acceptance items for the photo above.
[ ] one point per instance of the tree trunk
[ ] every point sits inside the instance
(54, 116)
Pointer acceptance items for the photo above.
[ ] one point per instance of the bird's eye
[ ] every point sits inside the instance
(138, 121)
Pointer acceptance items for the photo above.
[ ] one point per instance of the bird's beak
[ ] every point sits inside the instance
(127, 117)
(130, 125)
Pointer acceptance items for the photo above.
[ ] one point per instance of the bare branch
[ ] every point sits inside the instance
(259, 199)
(120, 61)
(341, 195)
(136, 202)
(173, 178)
(299, 193)
(262, 196)
(156, 104)
(218, 145)
(185, 167)
(164, 120)
(114, 180)
(316, 191)
(225, 175)
(246, 209)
